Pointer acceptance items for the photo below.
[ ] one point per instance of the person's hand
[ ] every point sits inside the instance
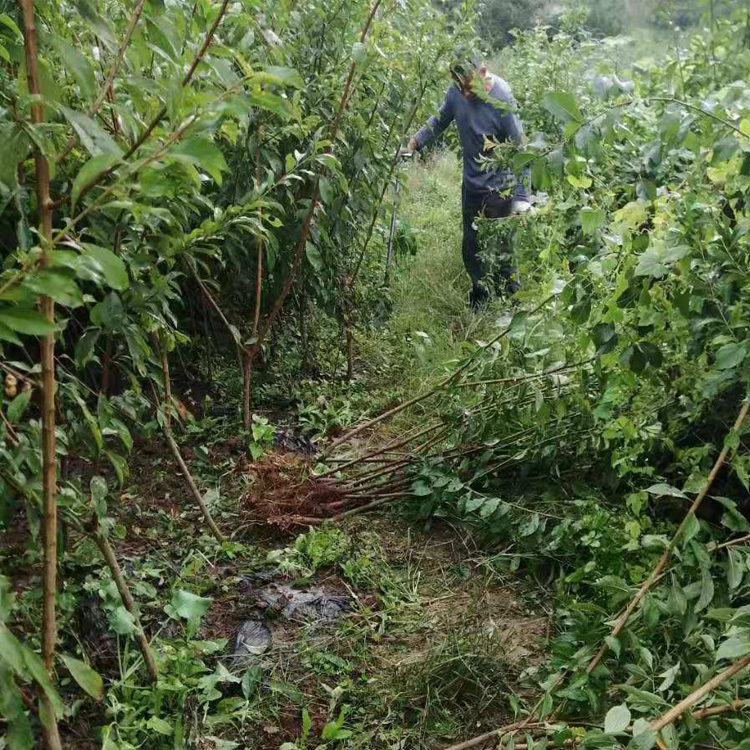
(413, 144)
(520, 207)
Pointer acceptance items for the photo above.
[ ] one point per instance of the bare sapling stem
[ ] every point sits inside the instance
(109, 556)
(161, 114)
(494, 736)
(248, 354)
(172, 443)
(388, 448)
(49, 460)
(422, 397)
(656, 572)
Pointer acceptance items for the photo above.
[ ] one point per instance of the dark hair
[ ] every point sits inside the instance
(464, 63)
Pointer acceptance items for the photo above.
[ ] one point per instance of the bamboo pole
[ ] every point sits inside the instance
(49, 459)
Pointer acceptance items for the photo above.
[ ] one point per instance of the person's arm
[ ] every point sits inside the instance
(435, 125)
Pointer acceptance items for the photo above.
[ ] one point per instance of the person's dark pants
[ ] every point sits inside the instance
(492, 206)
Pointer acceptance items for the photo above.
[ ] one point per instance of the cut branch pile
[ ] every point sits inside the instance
(287, 494)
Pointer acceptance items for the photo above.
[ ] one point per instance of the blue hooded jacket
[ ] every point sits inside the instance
(477, 118)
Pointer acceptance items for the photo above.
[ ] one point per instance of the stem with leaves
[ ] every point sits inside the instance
(689, 517)
(302, 241)
(49, 460)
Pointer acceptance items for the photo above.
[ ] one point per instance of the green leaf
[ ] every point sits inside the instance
(17, 407)
(250, 680)
(11, 651)
(15, 149)
(731, 355)
(732, 519)
(89, 679)
(734, 647)
(489, 507)
(662, 490)
(669, 677)
(707, 591)
(634, 359)
(604, 337)
(475, 502)
(359, 52)
(614, 644)
(78, 66)
(314, 256)
(26, 321)
(95, 140)
(109, 312)
(580, 182)
(735, 569)
(121, 621)
(643, 738)
(281, 76)
(99, 264)
(617, 719)
(326, 191)
(649, 264)
(85, 347)
(563, 106)
(8, 22)
(39, 673)
(90, 171)
(528, 527)
(580, 312)
(202, 152)
(591, 219)
(61, 288)
(691, 528)
(160, 725)
(190, 606)
(272, 103)
(540, 178)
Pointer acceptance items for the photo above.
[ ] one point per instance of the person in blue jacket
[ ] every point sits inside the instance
(482, 106)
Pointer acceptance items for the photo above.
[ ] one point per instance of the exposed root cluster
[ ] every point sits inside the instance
(285, 494)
